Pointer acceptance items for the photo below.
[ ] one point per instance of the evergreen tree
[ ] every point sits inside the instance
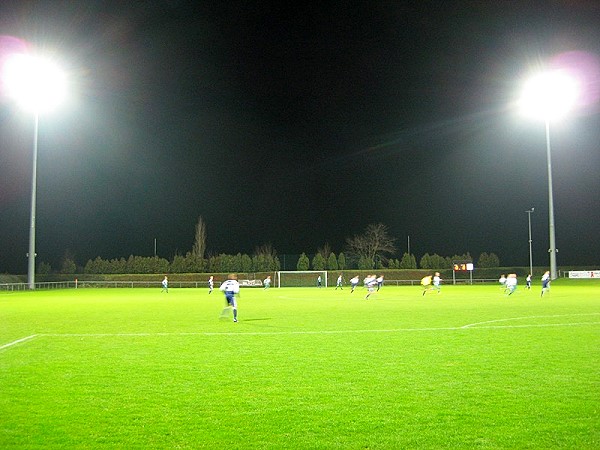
(246, 263)
(341, 261)
(407, 262)
(318, 262)
(438, 262)
(425, 262)
(44, 268)
(303, 262)
(332, 262)
(488, 260)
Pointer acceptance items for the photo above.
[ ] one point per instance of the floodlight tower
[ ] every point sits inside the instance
(549, 95)
(38, 85)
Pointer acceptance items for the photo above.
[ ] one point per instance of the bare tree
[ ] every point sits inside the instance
(325, 251)
(265, 258)
(266, 250)
(200, 242)
(374, 243)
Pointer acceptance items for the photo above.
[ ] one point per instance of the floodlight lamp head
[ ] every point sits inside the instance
(35, 83)
(549, 95)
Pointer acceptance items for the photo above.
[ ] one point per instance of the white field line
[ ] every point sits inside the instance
(479, 325)
(318, 332)
(18, 341)
(472, 325)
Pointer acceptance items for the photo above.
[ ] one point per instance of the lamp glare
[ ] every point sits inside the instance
(549, 95)
(37, 84)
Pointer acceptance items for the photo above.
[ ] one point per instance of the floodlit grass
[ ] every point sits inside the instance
(304, 368)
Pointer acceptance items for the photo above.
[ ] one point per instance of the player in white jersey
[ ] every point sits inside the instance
(211, 284)
(231, 288)
(511, 283)
(165, 285)
(353, 283)
(267, 282)
(545, 283)
(502, 281)
(339, 283)
(437, 282)
(379, 282)
(370, 283)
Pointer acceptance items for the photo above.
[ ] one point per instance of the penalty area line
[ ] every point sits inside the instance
(18, 341)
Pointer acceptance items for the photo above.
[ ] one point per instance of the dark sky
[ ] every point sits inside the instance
(299, 126)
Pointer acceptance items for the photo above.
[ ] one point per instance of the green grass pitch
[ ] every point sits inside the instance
(304, 368)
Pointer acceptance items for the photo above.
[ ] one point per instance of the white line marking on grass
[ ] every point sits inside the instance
(542, 325)
(528, 317)
(18, 341)
(472, 326)
(250, 333)
(317, 332)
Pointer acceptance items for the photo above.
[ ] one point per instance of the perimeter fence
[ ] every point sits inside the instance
(49, 285)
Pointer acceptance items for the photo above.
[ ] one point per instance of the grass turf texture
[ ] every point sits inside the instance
(304, 368)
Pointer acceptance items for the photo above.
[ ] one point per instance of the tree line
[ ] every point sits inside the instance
(373, 249)
(189, 263)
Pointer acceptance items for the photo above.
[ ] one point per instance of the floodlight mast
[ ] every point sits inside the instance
(38, 85)
(31, 254)
(552, 250)
(550, 95)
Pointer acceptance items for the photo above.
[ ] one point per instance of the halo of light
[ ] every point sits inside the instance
(36, 83)
(584, 66)
(549, 95)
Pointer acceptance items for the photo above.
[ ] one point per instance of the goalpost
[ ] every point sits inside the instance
(301, 278)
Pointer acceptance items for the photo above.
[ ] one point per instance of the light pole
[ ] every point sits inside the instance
(31, 254)
(38, 85)
(529, 211)
(549, 95)
(552, 249)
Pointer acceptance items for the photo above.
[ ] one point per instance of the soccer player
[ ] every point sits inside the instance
(267, 282)
(426, 283)
(319, 281)
(231, 288)
(528, 281)
(165, 285)
(211, 284)
(379, 282)
(370, 283)
(502, 282)
(437, 281)
(339, 283)
(511, 283)
(545, 283)
(353, 283)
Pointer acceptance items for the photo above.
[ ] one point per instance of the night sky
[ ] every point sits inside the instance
(298, 126)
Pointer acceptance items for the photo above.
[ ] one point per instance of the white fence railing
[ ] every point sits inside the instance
(185, 284)
(101, 284)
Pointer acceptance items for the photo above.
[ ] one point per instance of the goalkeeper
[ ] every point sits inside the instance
(231, 288)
